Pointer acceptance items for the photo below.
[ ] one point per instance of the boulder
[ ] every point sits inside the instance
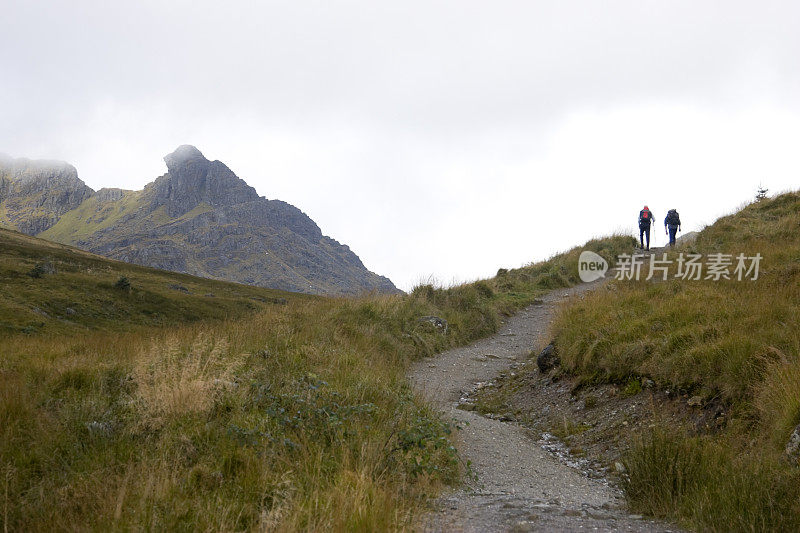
(437, 322)
(793, 446)
(695, 401)
(548, 359)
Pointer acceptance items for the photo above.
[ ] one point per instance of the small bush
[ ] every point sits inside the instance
(484, 289)
(41, 269)
(425, 292)
(632, 388)
(123, 283)
(426, 448)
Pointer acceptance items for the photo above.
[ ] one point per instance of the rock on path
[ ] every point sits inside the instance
(519, 486)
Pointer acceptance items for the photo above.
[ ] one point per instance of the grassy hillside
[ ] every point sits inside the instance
(297, 417)
(98, 212)
(49, 289)
(730, 343)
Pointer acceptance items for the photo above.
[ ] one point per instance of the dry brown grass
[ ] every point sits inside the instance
(172, 381)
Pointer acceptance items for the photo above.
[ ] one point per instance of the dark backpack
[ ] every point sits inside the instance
(645, 218)
(672, 218)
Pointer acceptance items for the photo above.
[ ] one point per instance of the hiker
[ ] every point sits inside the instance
(672, 225)
(645, 218)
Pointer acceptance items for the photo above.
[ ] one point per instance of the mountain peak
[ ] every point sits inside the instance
(183, 154)
(192, 179)
(235, 234)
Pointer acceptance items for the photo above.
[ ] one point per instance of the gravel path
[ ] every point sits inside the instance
(519, 486)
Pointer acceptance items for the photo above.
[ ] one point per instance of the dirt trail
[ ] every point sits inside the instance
(519, 486)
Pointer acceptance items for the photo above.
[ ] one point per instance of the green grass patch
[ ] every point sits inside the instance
(94, 214)
(711, 485)
(50, 289)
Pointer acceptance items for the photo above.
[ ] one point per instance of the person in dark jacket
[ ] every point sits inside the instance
(645, 219)
(672, 225)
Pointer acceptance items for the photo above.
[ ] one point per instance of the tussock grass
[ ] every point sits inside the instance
(736, 342)
(712, 485)
(291, 418)
(172, 382)
(778, 400)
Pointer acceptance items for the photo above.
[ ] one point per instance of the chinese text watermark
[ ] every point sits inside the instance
(689, 267)
(694, 267)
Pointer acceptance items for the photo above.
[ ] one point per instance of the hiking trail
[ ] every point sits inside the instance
(519, 485)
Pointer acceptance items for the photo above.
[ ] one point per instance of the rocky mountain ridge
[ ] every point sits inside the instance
(34, 194)
(198, 218)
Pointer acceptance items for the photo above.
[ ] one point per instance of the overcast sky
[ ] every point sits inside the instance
(437, 139)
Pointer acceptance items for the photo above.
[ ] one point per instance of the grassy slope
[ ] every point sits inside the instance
(81, 293)
(94, 215)
(80, 224)
(297, 417)
(4, 223)
(91, 216)
(737, 342)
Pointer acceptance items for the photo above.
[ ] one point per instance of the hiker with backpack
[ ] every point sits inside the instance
(672, 225)
(645, 219)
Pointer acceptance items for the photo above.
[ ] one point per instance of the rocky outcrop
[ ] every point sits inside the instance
(793, 446)
(35, 194)
(548, 359)
(202, 219)
(109, 195)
